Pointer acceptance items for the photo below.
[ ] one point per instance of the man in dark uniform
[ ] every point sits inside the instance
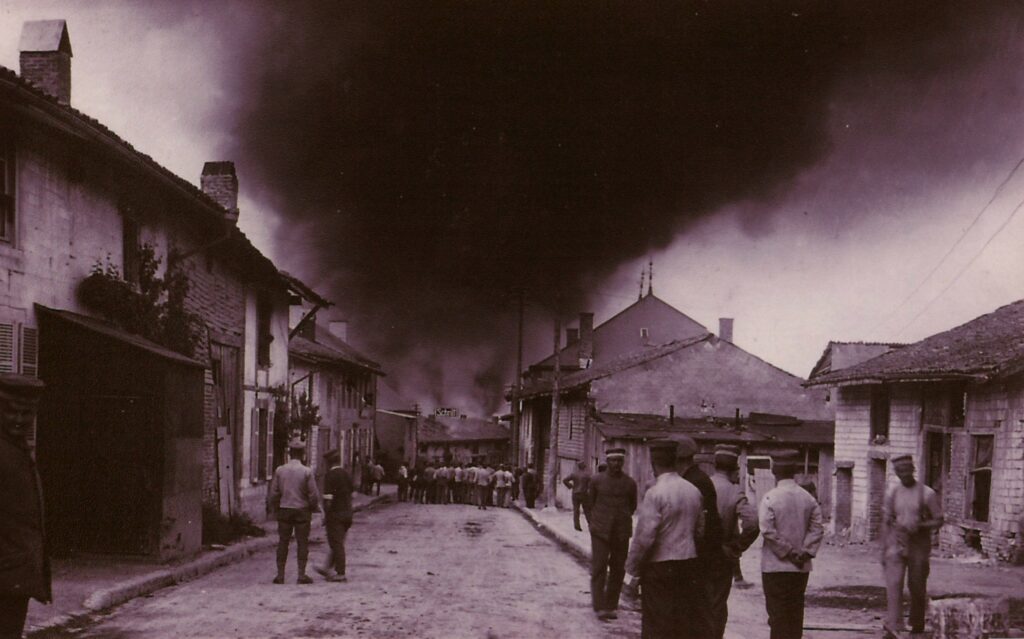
(337, 515)
(25, 570)
(664, 551)
(709, 545)
(530, 486)
(578, 482)
(611, 499)
(293, 498)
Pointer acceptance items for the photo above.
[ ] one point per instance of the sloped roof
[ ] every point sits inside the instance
(330, 350)
(45, 35)
(435, 429)
(644, 426)
(987, 347)
(840, 355)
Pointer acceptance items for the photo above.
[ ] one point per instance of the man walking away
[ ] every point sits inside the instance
(293, 498)
(378, 476)
(664, 550)
(25, 569)
(460, 476)
(910, 512)
(612, 501)
(579, 482)
(403, 482)
(441, 480)
(530, 486)
(501, 482)
(483, 483)
(739, 530)
(709, 545)
(429, 484)
(337, 515)
(790, 522)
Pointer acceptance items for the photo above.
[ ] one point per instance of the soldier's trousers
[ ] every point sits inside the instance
(579, 503)
(718, 584)
(784, 600)
(910, 566)
(607, 570)
(337, 529)
(291, 520)
(667, 600)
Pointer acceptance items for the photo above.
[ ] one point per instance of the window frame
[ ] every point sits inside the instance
(8, 190)
(974, 472)
(880, 413)
(264, 332)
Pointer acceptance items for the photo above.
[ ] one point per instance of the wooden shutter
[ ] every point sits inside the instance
(254, 446)
(29, 351)
(270, 443)
(7, 362)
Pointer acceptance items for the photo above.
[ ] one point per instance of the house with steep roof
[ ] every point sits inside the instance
(180, 324)
(955, 402)
(461, 440)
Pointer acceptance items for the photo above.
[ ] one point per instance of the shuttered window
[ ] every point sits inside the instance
(269, 444)
(30, 351)
(7, 361)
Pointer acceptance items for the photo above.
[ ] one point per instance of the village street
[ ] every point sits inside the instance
(423, 571)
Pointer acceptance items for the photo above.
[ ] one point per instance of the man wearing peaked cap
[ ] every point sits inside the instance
(910, 512)
(790, 521)
(337, 515)
(611, 498)
(293, 498)
(739, 530)
(25, 571)
(709, 544)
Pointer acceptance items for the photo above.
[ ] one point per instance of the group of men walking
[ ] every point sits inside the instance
(479, 484)
(691, 530)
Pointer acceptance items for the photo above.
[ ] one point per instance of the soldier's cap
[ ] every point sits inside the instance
(615, 453)
(906, 461)
(727, 453)
(296, 444)
(14, 386)
(662, 444)
(332, 455)
(786, 458)
(686, 447)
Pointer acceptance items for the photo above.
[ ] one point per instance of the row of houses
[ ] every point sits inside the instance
(164, 336)
(955, 401)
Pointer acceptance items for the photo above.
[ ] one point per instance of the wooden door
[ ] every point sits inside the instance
(225, 472)
(227, 398)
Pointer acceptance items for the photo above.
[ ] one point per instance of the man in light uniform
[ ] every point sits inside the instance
(612, 502)
(910, 512)
(790, 522)
(739, 530)
(578, 482)
(664, 550)
(293, 498)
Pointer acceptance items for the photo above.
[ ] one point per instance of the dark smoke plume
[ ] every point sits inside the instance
(431, 157)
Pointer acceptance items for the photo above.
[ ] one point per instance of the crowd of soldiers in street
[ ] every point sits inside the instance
(480, 484)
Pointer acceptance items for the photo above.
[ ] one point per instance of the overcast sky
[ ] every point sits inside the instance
(801, 170)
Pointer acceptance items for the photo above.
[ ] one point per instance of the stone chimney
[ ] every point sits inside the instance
(585, 347)
(725, 329)
(572, 335)
(46, 57)
(339, 328)
(220, 183)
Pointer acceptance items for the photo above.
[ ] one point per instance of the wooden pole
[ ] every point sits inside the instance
(517, 389)
(552, 483)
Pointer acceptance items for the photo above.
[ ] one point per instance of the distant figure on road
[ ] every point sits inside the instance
(293, 498)
(530, 486)
(910, 512)
(664, 550)
(25, 567)
(612, 502)
(709, 544)
(790, 522)
(429, 483)
(441, 483)
(579, 483)
(502, 482)
(458, 486)
(403, 482)
(517, 482)
(484, 481)
(337, 515)
(739, 530)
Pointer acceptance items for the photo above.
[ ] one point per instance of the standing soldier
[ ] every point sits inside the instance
(337, 515)
(579, 483)
(25, 570)
(460, 476)
(910, 512)
(612, 501)
(709, 545)
(293, 498)
(484, 480)
(530, 486)
(791, 525)
(739, 530)
(664, 550)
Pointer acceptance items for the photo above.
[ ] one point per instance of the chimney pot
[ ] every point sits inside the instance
(725, 329)
(339, 328)
(45, 57)
(220, 183)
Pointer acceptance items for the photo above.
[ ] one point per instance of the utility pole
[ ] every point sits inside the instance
(517, 387)
(552, 483)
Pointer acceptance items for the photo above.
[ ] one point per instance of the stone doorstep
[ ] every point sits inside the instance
(207, 562)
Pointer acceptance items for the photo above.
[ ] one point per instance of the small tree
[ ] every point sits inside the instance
(304, 416)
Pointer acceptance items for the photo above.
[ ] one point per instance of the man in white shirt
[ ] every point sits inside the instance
(484, 480)
(664, 549)
(501, 483)
(790, 522)
(293, 498)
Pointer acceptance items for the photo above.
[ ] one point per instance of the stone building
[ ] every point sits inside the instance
(461, 440)
(955, 402)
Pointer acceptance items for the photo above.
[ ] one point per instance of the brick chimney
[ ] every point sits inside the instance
(725, 329)
(572, 335)
(46, 57)
(339, 328)
(585, 347)
(220, 183)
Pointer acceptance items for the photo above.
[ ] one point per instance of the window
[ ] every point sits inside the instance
(130, 250)
(19, 349)
(981, 476)
(264, 309)
(7, 179)
(329, 381)
(644, 333)
(944, 406)
(880, 397)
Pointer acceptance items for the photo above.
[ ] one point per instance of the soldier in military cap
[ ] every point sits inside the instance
(664, 550)
(293, 498)
(739, 530)
(709, 545)
(611, 497)
(337, 515)
(25, 571)
(790, 522)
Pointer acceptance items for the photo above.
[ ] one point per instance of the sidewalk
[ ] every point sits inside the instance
(85, 585)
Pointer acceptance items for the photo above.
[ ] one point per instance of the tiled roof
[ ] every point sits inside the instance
(990, 346)
(642, 426)
(839, 355)
(580, 378)
(330, 350)
(449, 429)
